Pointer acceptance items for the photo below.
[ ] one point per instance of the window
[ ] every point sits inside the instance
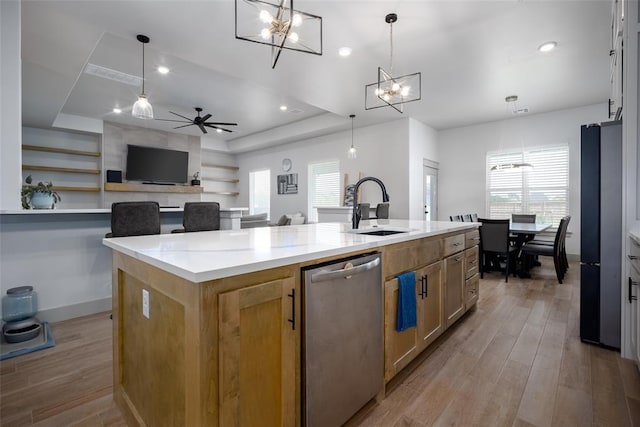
(260, 192)
(543, 189)
(324, 186)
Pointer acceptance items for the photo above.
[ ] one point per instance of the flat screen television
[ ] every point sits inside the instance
(156, 165)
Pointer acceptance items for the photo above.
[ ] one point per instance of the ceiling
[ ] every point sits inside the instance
(472, 54)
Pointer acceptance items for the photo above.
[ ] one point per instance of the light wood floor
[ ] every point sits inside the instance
(515, 360)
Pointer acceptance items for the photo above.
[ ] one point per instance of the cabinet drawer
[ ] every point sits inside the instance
(472, 290)
(411, 255)
(472, 238)
(471, 261)
(453, 244)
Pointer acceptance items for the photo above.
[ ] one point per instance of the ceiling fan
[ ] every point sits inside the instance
(201, 122)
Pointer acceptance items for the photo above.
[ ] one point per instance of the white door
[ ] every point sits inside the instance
(430, 180)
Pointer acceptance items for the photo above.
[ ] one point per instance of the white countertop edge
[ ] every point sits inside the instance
(371, 242)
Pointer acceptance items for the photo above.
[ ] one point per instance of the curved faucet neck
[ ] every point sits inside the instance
(355, 219)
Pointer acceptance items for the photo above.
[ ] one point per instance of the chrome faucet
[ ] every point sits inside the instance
(355, 219)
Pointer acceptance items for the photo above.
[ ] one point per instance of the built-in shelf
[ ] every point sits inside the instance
(60, 150)
(151, 188)
(210, 165)
(57, 169)
(81, 189)
(223, 193)
(219, 179)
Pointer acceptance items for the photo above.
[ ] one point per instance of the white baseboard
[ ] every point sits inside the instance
(76, 310)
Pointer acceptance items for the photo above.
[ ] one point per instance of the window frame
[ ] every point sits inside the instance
(252, 208)
(312, 201)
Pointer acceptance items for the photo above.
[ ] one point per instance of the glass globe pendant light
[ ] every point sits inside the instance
(142, 109)
(352, 153)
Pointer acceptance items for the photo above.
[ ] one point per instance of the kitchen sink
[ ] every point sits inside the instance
(382, 232)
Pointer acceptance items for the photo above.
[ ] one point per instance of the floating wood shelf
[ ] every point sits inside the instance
(219, 179)
(57, 169)
(210, 165)
(151, 188)
(60, 150)
(85, 189)
(223, 193)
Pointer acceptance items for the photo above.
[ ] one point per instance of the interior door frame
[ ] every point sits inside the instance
(426, 163)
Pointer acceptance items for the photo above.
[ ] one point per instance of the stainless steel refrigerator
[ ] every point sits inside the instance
(600, 233)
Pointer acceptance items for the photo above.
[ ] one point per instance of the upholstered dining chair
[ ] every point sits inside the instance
(364, 210)
(524, 218)
(558, 250)
(200, 216)
(456, 218)
(466, 218)
(134, 219)
(382, 211)
(494, 244)
(474, 217)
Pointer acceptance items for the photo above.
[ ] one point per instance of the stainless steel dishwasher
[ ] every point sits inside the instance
(342, 341)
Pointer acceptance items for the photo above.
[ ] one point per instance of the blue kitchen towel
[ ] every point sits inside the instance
(407, 317)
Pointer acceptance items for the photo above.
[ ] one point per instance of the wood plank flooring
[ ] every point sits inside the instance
(516, 360)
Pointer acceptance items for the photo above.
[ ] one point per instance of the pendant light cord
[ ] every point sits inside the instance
(352, 131)
(143, 69)
(391, 44)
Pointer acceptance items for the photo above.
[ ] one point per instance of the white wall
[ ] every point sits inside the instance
(462, 152)
(423, 144)
(10, 105)
(383, 151)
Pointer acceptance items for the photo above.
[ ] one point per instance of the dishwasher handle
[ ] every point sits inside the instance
(345, 273)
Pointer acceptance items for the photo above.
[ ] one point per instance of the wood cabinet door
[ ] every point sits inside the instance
(257, 354)
(472, 286)
(399, 347)
(454, 288)
(430, 304)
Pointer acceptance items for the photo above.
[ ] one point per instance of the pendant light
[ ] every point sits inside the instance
(513, 166)
(352, 153)
(142, 109)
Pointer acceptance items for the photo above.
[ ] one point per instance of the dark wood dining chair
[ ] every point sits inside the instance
(494, 245)
(200, 216)
(557, 250)
(134, 219)
(520, 239)
(524, 218)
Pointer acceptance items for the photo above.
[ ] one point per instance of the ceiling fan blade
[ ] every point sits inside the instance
(180, 115)
(178, 121)
(184, 126)
(206, 117)
(220, 123)
(201, 128)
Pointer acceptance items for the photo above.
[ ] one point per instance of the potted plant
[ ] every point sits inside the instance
(40, 196)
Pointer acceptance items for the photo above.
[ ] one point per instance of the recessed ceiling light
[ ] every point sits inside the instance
(548, 46)
(283, 108)
(163, 70)
(117, 110)
(344, 51)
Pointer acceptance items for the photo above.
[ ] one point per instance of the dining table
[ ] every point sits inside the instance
(525, 232)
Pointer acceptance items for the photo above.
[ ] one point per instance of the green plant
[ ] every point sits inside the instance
(29, 190)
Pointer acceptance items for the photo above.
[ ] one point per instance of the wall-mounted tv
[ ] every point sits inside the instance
(156, 165)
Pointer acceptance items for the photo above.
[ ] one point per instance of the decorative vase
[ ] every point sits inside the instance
(42, 201)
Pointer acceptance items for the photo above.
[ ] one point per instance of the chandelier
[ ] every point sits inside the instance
(278, 25)
(390, 91)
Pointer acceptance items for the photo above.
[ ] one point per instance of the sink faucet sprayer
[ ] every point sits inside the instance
(355, 219)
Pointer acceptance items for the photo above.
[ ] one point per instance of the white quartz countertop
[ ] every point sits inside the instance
(210, 255)
(91, 211)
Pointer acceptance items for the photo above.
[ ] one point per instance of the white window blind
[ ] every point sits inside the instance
(542, 190)
(260, 192)
(324, 186)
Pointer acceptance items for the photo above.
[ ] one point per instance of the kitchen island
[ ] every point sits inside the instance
(207, 325)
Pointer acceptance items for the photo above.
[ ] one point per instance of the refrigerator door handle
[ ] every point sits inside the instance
(631, 284)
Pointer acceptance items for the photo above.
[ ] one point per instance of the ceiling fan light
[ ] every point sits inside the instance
(142, 109)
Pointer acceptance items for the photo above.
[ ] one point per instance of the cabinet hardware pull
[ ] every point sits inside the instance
(473, 262)
(633, 257)
(292, 295)
(631, 296)
(458, 258)
(457, 244)
(475, 238)
(425, 286)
